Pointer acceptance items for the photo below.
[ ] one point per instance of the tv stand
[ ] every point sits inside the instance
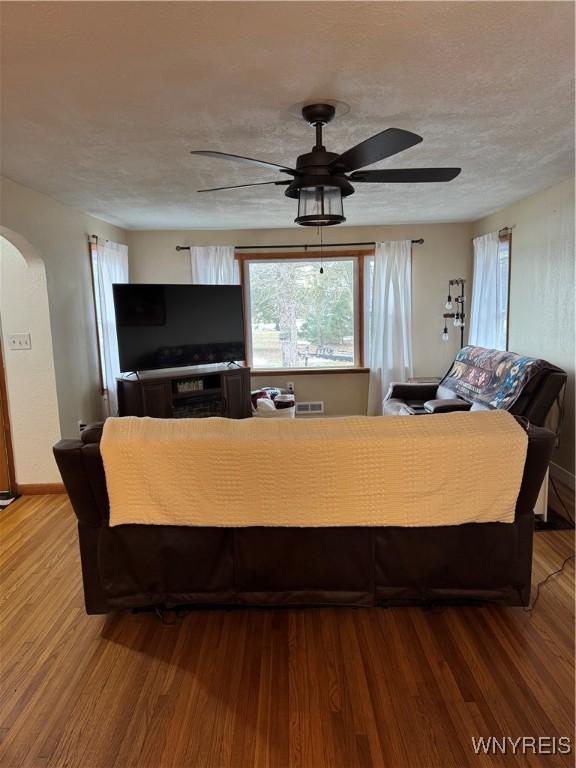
(198, 392)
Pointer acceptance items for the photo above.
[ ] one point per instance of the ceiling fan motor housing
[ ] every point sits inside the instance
(314, 170)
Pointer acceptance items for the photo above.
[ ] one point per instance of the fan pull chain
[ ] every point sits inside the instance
(321, 252)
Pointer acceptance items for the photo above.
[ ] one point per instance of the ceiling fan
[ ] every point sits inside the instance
(320, 180)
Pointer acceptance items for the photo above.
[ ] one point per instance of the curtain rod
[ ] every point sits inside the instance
(501, 231)
(305, 247)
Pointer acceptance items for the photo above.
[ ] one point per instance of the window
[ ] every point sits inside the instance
(503, 288)
(109, 266)
(97, 292)
(368, 288)
(300, 318)
(490, 290)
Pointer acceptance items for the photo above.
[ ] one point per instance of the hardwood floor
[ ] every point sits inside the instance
(311, 688)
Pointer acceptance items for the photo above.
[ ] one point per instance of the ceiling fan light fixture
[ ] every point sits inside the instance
(320, 206)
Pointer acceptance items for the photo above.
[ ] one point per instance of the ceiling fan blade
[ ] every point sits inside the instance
(405, 175)
(237, 186)
(240, 159)
(378, 147)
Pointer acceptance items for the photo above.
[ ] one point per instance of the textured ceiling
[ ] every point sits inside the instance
(103, 101)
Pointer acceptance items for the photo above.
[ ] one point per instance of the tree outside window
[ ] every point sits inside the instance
(300, 318)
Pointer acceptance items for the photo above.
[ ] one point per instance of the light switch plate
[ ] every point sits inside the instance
(19, 341)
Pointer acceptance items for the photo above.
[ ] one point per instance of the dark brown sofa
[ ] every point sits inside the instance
(139, 566)
(533, 400)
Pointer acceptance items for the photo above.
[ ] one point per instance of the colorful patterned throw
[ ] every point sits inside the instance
(492, 377)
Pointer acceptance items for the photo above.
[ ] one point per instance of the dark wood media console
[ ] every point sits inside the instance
(190, 393)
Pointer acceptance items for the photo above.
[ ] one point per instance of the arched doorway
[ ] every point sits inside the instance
(30, 382)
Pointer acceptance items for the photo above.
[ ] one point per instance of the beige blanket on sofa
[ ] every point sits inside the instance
(444, 469)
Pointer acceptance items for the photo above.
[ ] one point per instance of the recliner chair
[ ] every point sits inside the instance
(483, 379)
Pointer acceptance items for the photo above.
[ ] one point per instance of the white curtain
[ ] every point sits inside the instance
(487, 322)
(214, 265)
(111, 267)
(390, 344)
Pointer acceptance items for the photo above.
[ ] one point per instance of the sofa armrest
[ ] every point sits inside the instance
(92, 433)
(446, 405)
(541, 444)
(415, 391)
(71, 460)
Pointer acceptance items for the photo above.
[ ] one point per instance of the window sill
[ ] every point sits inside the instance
(305, 371)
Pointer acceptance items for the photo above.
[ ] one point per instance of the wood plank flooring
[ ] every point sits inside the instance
(312, 688)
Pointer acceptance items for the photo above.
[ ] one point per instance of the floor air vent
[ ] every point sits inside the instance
(316, 406)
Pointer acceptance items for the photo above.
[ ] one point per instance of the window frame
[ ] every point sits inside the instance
(357, 256)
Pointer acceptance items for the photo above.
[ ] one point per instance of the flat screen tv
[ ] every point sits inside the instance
(167, 326)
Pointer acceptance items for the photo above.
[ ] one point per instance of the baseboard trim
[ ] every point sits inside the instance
(39, 489)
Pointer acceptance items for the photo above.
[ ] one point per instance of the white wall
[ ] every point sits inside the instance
(60, 234)
(542, 287)
(30, 377)
(445, 253)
